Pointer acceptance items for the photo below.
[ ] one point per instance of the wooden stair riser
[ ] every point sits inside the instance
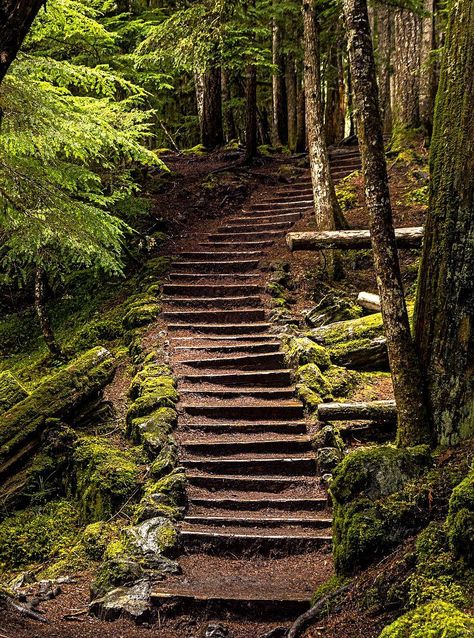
(245, 412)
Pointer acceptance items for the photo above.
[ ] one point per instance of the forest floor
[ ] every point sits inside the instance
(182, 200)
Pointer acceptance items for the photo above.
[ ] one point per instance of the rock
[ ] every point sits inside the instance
(328, 458)
(129, 602)
(152, 537)
(330, 309)
(217, 630)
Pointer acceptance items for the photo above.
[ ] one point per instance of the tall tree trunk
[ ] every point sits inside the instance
(230, 130)
(406, 63)
(212, 134)
(16, 18)
(406, 375)
(350, 103)
(280, 127)
(251, 113)
(384, 50)
(291, 96)
(427, 77)
(444, 313)
(335, 107)
(300, 118)
(42, 313)
(327, 210)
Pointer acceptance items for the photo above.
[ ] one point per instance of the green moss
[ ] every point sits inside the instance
(199, 149)
(346, 191)
(103, 477)
(37, 535)
(96, 332)
(363, 328)
(11, 391)
(158, 266)
(369, 517)
(328, 587)
(141, 314)
(438, 619)
(302, 350)
(341, 380)
(97, 537)
(166, 459)
(460, 521)
(55, 397)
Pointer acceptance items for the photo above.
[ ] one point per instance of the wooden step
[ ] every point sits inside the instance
(214, 316)
(273, 410)
(250, 226)
(260, 484)
(262, 503)
(265, 522)
(247, 236)
(284, 464)
(233, 446)
(232, 348)
(290, 217)
(250, 427)
(222, 328)
(258, 378)
(213, 302)
(223, 267)
(196, 277)
(278, 203)
(223, 394)
(212, 255)
(226, 245)
(245, 361)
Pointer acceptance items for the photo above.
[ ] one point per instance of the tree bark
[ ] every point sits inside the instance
(427, 76)
(384, 50)
(16, 18)
(230, 130)
(350, 239)
(251, 113)
(404, 364)
(444, 326)
(406, 63)
(42, 314)
(212, 134)
(335, 102)
(291, 96)
(279, 119)
(327, 210)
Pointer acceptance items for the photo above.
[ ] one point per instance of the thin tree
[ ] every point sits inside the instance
(16, 18)
(327, 210)
(444, 315)
(404, 364)
(42, 313)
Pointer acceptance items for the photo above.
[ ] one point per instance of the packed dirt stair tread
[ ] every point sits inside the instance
(253, 490)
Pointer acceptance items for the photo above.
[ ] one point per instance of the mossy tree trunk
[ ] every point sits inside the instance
(42, 313)
(427, 75)
(251, 113)
(16, 18)
(444, 325)
(327, 210)
(384, 50)
(230, 130)
(291, 98)
(212, 133)
(404, 364)
(279, 111)
(406, 63)
(300, 118)
(335, 102)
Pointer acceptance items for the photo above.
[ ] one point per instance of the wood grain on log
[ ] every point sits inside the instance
(379, 411)
(350, 239)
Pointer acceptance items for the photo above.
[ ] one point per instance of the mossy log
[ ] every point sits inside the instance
(361, 354)
(350, 239)
(11, 392)
(368, 327)
(378, 411)
(22, 425)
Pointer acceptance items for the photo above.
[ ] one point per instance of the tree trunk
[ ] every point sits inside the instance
(212, 134)
(406, 63)
(335, 107)
(42, 314)
(251, 113)
(300, 119)
(427, 78)
(291, 96)
(280, 127)
(327, 210)
(16, 18)
(230, 130)
(406, 375)
(384, 50)
(444, 325)
(350, 103)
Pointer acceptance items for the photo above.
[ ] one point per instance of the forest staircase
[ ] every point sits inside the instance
(254, 497)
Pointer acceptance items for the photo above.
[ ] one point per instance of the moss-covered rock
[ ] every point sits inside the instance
(152, 388)
(37, 534)
(302, 350)
(437, 619)
(332, 308)
(97, 537)
(367, 524)
(460, 521)
(140, 314)
(163, 497)
(103, 477)
(56, 397)
(11, 391)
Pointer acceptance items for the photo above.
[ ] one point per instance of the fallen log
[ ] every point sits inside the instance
(11, 391)
(369, 301)
(361, 354)
(378, 411)
(22, 425)
(350, 239)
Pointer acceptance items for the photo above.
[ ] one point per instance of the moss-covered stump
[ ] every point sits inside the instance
(103, 477)
(57, 397)
(11, 391)
(460, 521)
(435, 620)
(368, 520)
